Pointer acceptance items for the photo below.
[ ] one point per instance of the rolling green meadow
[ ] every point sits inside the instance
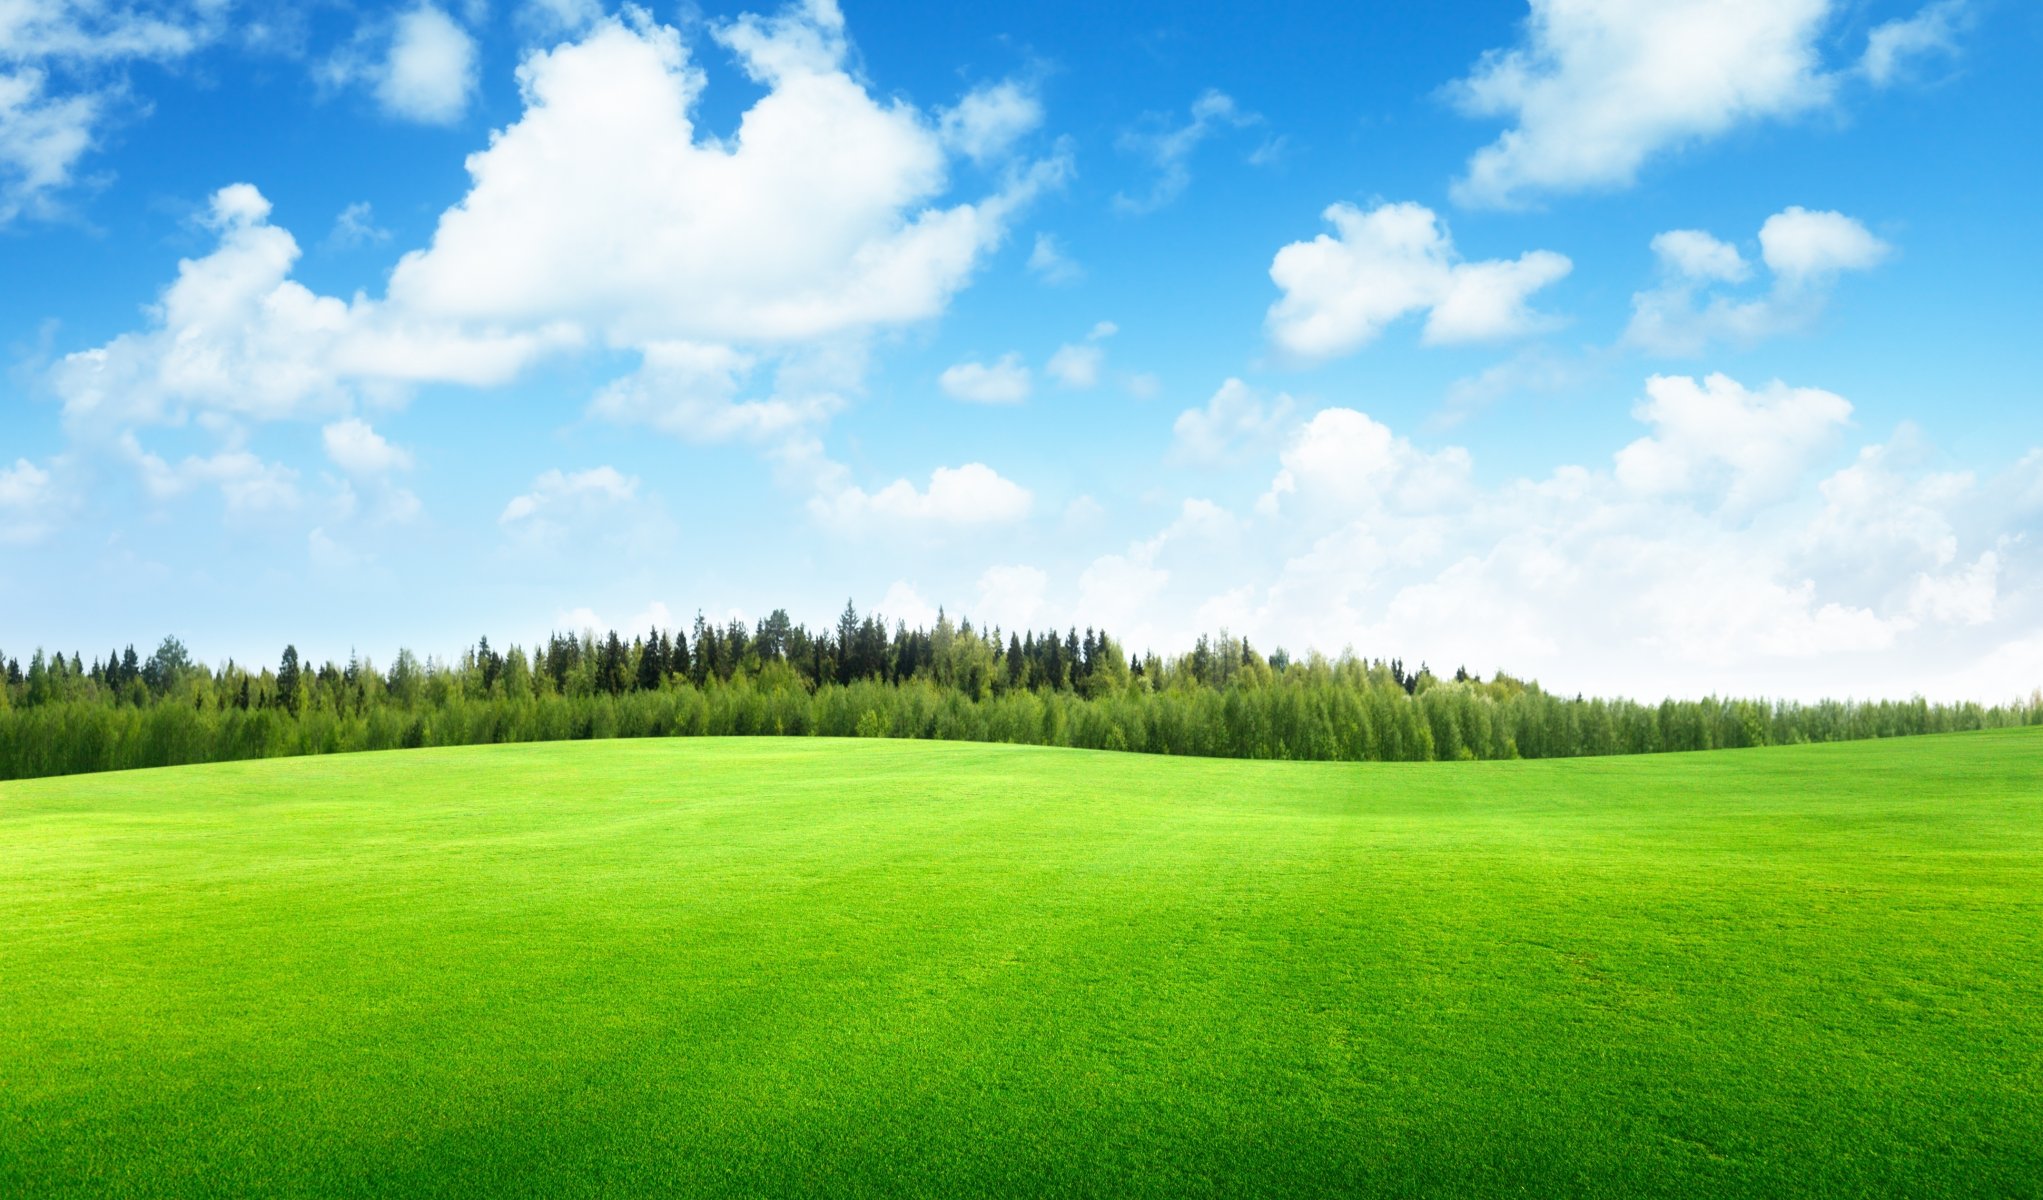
(769, 966)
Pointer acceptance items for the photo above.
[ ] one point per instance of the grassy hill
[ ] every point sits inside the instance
(768, 967)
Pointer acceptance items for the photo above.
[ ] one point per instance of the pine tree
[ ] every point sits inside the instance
(288, 680)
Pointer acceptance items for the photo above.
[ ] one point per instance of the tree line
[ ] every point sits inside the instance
(860, 678)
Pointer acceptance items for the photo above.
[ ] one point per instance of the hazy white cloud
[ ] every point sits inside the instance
(236, 335)
(29, 502)
(1077, 364)
(1011, 597)
(1003, 381)
(1894, 47)
(358, 449)
(1804, 251)
(1341, 290)
(429, 75)
(1167, 146)
(1236, 420)
(1049, 262)
(356, 226)
(249, 485)
(986, 124)
(61, 85)
(1348, 460)
(974, 494)
(904, 603)
(1597, 88)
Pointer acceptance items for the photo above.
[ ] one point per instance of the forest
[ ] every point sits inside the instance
(64, 715)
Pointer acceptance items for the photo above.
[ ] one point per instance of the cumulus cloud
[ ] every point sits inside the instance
(1341, 290)
(1167, 146)
(358, 449)
(430, 73)
(1804, 252)
(236, 335)
(1760, 441)
(1234, 421)
(250, 486)
(1348, 460)
(1719, 552)
(974, 494)
(1597, 88)
(1003, 381)
(603, 204)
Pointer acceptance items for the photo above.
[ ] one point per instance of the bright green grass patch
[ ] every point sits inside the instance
(767, 967)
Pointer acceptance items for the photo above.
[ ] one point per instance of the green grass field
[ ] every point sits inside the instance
(771, 967)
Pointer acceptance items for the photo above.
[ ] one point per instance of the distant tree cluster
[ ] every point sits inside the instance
(862, 679)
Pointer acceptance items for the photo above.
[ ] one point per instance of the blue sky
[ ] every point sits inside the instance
(1645, 347)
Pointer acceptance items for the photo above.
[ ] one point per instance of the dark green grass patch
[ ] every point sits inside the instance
(770, 967)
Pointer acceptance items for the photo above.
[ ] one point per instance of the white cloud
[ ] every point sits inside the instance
(1005, 381)
(28, 502)
(692, 390)
(974, 494)
(235, 335)
(1011, 597)
(1168, 148)
(1893, 47)
(356, 226)
(604, 205)
(61, 87)
(1077, 364)
(358, 449)
(903, 603)
(1235, 420)
(1597, 88)
(556, 491)
(1804, 251)
(1346, 459)
(1733, 565)
(986, 124)
(430, 73)
(1694, 254)
(1802, 246)
(1340, 291)
(250, 486)
(1761, 441)
(1049, 262)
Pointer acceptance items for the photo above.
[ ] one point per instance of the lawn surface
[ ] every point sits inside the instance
(769, 967)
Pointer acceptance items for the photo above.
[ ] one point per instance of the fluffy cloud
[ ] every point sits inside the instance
(1235, 420)
(1599, 87)
(604, 205)
(250, 486)
(556, 489)
(1760, 441)
(1804, 251)
(1350, 461)
(430, 73)
(985, 125)
(1341, 291)
(235, 335)
(974, 494)
(358, 449)
(1004, 381)
(1713, 554)
(1168, 147)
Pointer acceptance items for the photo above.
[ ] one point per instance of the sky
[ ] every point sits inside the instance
(1644, 347)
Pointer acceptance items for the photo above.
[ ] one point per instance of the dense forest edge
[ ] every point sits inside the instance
(61, 716)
